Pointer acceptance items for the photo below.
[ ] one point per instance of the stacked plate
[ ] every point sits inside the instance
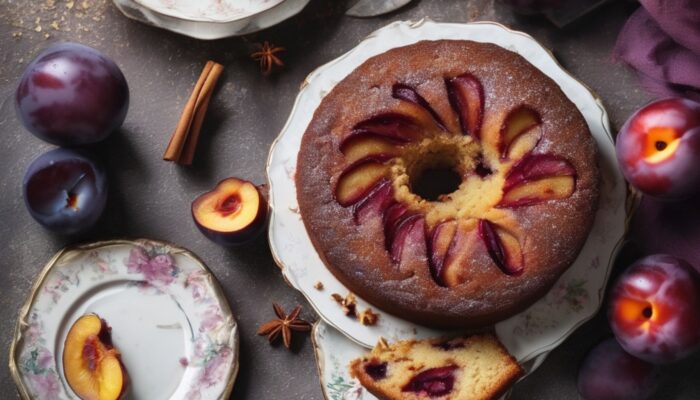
(530, 335)
(211, 19)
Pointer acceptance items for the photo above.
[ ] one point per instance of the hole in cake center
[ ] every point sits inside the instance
(432, 183)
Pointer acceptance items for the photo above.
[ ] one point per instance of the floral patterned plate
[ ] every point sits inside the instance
(169, 318)
(577, 295)
(333, 353)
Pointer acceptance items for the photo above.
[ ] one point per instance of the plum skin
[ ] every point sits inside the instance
(238, 238)
(676, 177)
(48, 181)
(654, 309)
(609, 373)
(72, 95)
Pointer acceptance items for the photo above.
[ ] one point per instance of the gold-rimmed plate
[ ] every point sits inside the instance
(175, 331)
(574, 299)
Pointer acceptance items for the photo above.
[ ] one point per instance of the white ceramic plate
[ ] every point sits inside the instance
(169, 319)
(211, 19)
(575, 297)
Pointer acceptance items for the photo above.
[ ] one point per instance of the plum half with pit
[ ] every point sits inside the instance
(72, 95)
(233, 213)
(654, 309)
(65, 191)
(610, 373)
(658, 149)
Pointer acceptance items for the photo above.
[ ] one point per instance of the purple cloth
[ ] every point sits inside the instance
(661, 41)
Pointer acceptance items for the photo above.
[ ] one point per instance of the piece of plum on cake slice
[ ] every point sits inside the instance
(475, 367)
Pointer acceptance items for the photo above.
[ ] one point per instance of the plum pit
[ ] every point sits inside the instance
(230, 205)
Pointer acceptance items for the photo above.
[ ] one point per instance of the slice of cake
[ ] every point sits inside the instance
(469, 368)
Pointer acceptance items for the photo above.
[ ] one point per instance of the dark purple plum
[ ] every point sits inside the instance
(609, 373)
(72, 95)
(65, 191)
(654, 309)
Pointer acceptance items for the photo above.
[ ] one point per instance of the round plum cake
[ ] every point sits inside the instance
(448, 182)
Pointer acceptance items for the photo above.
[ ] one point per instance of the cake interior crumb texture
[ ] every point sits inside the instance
(477, 367)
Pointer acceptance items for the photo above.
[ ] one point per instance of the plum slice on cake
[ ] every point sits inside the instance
(494, 169)
(475, 367)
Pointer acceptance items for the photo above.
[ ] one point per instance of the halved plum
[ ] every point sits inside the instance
(503, 247)
(233, 213)
(538, 178)
(407, 93)
(91, 364)
(359, 178)
(520, 133)
(466, 96)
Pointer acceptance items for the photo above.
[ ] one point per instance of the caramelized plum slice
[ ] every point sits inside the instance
(440, 242)
(433, 382)
(538, 178)
(358, 180)
(392, 217)
(407, 93)
(363, 144)
(464, 244)
(406, 231)
(503, 247)
(378, 200)
(466, 96)
(520, 132)
(393, 126)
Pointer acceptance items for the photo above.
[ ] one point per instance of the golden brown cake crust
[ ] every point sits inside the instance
(552, 233)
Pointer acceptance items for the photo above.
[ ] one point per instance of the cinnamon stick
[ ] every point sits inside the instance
(183, 141)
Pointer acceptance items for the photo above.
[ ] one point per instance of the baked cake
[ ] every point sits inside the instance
(472, 368)
(448, 182)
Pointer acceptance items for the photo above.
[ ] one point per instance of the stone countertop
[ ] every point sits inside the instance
(151, 198)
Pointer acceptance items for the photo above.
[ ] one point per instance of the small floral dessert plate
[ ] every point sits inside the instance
(170, 321)
(574, 299)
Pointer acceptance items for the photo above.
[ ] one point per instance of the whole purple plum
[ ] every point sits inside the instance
(65, 191)
(654, 309)
(658, 149)
(72, 95)
(609, 373)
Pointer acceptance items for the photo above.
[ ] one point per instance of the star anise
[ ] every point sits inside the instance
(284, 325)
(266, 56)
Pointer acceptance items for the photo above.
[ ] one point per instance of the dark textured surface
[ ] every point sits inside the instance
(151, 198)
